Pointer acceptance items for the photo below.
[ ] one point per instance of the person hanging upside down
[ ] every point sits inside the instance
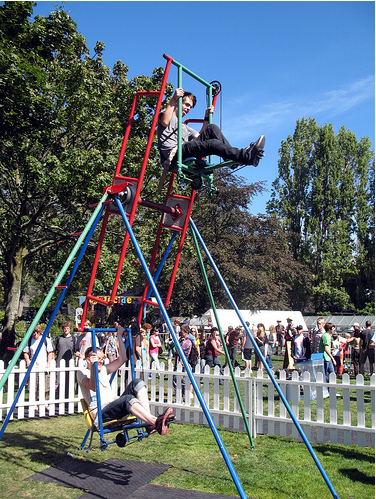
(134, 400)
(209, 140)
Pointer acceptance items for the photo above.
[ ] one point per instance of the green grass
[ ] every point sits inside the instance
(278, 468)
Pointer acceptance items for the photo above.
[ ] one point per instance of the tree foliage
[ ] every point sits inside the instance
(250, 252)
(62, 119)
(324, 195)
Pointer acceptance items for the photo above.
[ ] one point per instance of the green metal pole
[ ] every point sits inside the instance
(51, 292)
(190, 73)
(180, 110)
(222, 337)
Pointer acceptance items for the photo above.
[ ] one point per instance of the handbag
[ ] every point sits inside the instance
(160, 351)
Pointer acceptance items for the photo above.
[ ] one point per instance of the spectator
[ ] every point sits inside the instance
(247, 347)
(186, 344)
(272, 338)
(336, 349)
(78, 315)
(84, 342)
(148, 328)
(325, 348)
(202, 348)
(213, 349)
(355, 350)
(365, 351)
(42, 362)
(263, 344)
(154, 346)
(288, 361)
(111, 348)
(134, 400)
(232, 342)
(65, 344)
(298, 352)
(280, 330)
(194, 332)
(317, 333)
(136, 337)
(65, 347)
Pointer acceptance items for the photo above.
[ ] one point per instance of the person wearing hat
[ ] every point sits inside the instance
(280, 330)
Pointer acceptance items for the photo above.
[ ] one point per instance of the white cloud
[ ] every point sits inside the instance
(270, 117)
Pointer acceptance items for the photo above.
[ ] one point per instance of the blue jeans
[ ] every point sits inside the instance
(328, 368)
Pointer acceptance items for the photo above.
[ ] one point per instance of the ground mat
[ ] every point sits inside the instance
(115, 478)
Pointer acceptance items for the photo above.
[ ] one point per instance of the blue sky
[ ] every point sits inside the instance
(276, 61)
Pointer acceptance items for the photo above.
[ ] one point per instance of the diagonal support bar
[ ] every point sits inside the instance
(270, 373)
(204, 274)
(86, 234)
(181, 353)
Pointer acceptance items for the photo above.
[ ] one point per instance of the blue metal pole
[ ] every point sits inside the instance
(91, 226)
(104, 444)
(181, 354)
(270, 373)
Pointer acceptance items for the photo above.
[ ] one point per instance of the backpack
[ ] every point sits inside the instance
(193, 355)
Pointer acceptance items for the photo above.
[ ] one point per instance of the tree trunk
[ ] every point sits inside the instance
(12, 301)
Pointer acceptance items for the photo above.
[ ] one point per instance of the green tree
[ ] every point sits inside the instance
(323, 195)
(252, 254)
(62, 119)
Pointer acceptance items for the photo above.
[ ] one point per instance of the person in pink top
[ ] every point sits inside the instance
(154, 344)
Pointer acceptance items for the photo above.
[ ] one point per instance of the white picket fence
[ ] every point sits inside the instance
(321, 408)
(321, 413)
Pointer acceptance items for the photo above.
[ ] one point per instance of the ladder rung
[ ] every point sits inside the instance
(61, 287)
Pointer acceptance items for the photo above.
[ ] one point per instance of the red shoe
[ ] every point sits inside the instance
(163, 421)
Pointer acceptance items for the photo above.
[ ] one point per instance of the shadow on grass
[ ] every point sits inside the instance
(356, 475)
(47, 449)
(345, 452)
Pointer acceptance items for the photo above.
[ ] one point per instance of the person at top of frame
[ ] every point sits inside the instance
(209, 140)
(134, 400)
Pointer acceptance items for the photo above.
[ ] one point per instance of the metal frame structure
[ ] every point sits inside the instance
(122, 198)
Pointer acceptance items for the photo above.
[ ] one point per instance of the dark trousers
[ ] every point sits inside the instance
(214, 361)
(356, 359)
(212, 141)
(232, 351)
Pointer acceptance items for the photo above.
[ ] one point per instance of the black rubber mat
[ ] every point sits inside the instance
(116, 478)
(107, 480)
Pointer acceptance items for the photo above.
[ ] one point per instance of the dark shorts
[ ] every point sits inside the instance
(247, 354)
(369, 353)
(121, 407)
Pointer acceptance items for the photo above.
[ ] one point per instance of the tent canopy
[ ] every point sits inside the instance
(342, 322)
(228, 317)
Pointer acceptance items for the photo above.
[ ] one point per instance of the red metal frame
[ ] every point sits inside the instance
(118, 185)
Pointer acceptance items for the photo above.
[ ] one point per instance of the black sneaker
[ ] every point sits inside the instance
(150, 428)
(255, 151)
(163, 421)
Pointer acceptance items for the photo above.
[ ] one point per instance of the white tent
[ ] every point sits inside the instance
(228, 317)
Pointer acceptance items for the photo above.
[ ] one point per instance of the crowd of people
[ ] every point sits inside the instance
(205, 347)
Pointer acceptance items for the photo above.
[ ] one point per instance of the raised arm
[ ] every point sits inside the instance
(171, 108)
